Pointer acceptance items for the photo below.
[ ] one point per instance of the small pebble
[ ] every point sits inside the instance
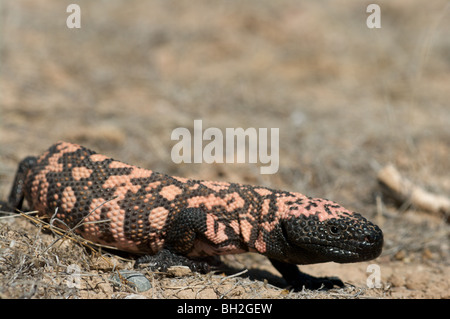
(179, 271)
(134, 279)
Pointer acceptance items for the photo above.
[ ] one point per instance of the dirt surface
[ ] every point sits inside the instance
(347, 100)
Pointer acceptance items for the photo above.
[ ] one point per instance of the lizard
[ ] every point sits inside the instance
(168, 219)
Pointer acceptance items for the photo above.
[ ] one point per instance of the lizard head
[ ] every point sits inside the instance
(319, 230)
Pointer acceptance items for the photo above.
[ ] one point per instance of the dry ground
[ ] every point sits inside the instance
(347, 100)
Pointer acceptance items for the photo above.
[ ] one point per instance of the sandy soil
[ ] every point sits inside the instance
(347, 100)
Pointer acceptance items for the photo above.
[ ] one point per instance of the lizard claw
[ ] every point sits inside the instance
(316, 283)
(165, 258)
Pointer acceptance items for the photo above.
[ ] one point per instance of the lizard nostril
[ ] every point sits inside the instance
(370, 238)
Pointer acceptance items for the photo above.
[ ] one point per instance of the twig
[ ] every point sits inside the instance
(234, 275)
(64, 233)
(405, 191)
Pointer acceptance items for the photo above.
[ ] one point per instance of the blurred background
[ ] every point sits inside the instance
(347, 99)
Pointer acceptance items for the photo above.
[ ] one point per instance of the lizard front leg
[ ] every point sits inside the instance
(184, 230)
(297, 279)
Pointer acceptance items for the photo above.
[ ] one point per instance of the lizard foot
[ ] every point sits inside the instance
(165, 258)
(299, 280)
(315, 283)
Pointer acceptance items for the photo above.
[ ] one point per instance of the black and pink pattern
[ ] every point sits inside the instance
(142, 211)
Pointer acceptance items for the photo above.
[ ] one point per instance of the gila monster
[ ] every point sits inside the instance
(167, 218)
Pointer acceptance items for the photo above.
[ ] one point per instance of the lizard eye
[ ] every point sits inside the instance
(334, 230)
